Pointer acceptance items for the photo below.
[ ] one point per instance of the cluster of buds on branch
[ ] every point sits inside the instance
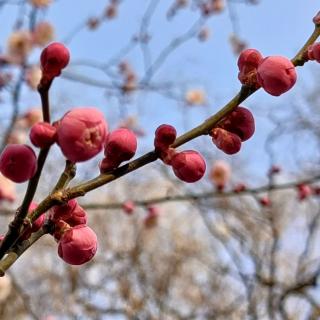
(82, 133)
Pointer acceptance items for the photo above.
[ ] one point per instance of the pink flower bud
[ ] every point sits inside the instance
(249, 59)
(165, 135)
(220, 173)
(316, 18)
(64, 211)
(121, 145)
(81, 133)
(226, 141)
(128, 207)
(108, 164)
(314, 52)
(53, 59)
(166, 155)
(60, 227)
(78, 245)
(304, 191)
(18, 162)
(240, 122)
(276, 75)
(78, 216)
(248, 62)
(189, 165)
(43, 134)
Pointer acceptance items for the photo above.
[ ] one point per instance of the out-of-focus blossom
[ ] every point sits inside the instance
(33, 77)
(237, 44)
(5, 78)
(5, 287)
(93, 23)
(111, 11)
(18, 136)
(43, 33)
(220, 173)
(32, 116)
(40, 3)
(7, 189)
(195, 97)
(204, 34)
(131, 123)
(19, 44)
(152, 216)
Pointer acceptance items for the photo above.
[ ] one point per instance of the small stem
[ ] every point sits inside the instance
(299, 58)
(67, 175)
(15, 226)
(43, 90)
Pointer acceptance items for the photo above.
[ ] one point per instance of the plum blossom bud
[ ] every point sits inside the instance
(5, 287)
(78, 245)
(165, 135)
(18, 162)
(7, 189)
(316, 18)
(249, 59)
(78, 216)
(188, 166)
(276, 75)
(71, 212)
(81, 133)
(43, 33)
(43, 134)
(248, 63)
(220, 174)
(108, 164)
(195, 97)
(121, 145)
(54, 58)
(240, 122)
(128, 207)
(64, 211)
(226, 141)
(33, 77)
(19, 44)
(314, 52)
